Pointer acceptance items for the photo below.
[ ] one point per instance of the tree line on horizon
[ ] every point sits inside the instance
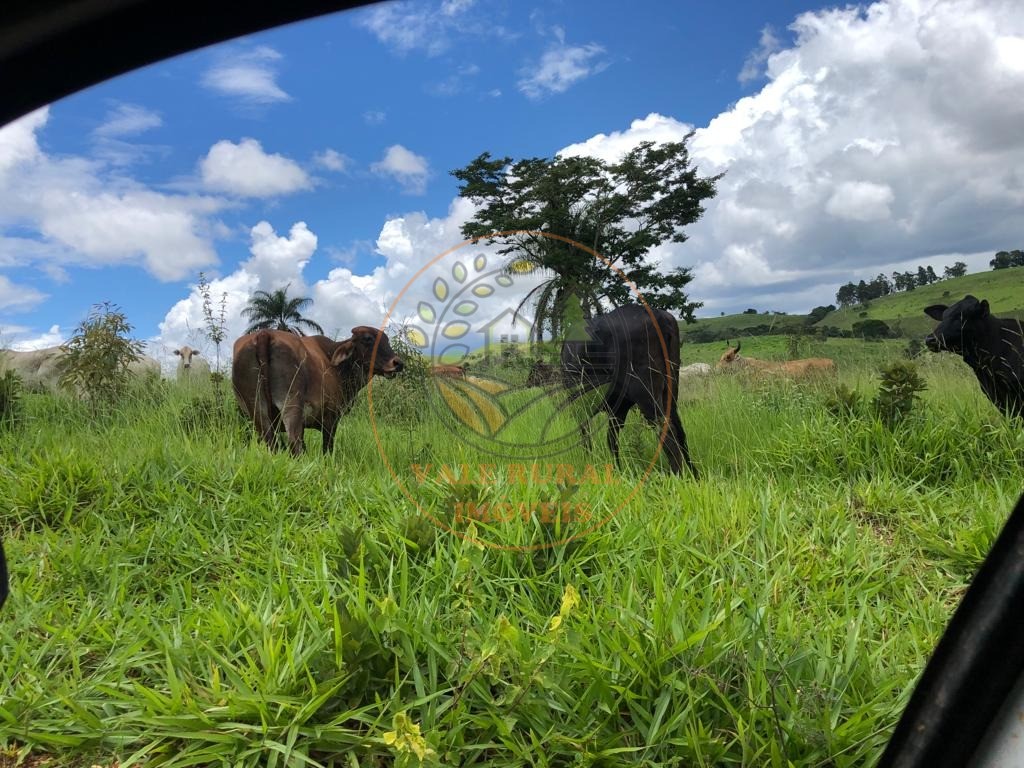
(901, 282)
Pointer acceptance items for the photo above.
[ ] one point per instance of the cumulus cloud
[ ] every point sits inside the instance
(559, 68)
(245, 170)
(406, 167)
(79, 214)
(753, 67)
(23, 340)
(128, 120)
(406, 27)
(884, 135)
(276, 261)
(250, 76)
(17, 297)
(332, 160)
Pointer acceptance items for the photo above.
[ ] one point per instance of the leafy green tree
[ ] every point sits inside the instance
(872, 329)
(1003, 260)
(959, 269)
(98, 355)
(276, 311)
(619, 210)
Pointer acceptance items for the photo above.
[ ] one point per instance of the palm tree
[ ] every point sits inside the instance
(275, 310)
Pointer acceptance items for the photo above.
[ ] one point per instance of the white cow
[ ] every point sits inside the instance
(191, 365)
(40, 369)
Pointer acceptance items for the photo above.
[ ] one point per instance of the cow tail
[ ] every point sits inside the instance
(263, 361)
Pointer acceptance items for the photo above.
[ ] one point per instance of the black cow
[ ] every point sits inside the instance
(993, 348)
(622, 351)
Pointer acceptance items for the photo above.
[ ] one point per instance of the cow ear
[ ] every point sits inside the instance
(342, 352)
(983, 308)
(195, 353)
(177, 352)
(935, 311)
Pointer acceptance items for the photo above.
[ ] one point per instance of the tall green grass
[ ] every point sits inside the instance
(183, 596)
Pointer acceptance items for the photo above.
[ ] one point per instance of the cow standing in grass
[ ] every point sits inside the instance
(190, 364)
(731, 360)
(283, 380)
(624, 353)
(992, 347)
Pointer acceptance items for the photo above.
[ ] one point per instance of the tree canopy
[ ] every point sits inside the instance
(619, 210)
(275, 310)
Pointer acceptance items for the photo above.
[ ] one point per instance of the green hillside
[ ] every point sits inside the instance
(904, 312)
(735, 325)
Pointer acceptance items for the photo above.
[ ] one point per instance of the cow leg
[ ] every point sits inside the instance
(674, 444)
(294, 426)
(616, 418)
(327, 430)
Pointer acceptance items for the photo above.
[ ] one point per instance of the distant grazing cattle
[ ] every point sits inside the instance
(694, 369)
(992, 347)
(812, 366)
(542, 374)
(623, 353)
(451, 371)
(191, 364)
(40, 369)
(287, 381)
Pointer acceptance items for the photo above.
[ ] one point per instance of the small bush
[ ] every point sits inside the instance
(913, 349)
(897, 393)
(844, 402)
(98, 356)
(11, 404)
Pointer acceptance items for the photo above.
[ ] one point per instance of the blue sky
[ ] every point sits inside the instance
(855, 139)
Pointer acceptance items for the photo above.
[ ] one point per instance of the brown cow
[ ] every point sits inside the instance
(452, 371)
(282, 379)
(732, 360)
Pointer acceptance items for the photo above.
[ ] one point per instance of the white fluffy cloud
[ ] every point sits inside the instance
(560, 68)
(17, 297)
(81, 214)
(884, 136)
(21, 338)
(249, 75)
(332, 160)
(245, 170)
(406, 167)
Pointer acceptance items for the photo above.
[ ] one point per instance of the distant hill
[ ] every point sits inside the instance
(904, 312)
(731, 326)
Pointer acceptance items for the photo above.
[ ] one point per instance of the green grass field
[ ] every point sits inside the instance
(184, 597)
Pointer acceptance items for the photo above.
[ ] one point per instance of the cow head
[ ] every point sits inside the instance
(731, 356)
(957, 324)
(359, 349)
(186, 354)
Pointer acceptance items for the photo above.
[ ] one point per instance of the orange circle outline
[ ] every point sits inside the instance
(373, 421)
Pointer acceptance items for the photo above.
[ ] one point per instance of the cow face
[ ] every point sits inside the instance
(360, 349)
(186, 354)
(957, 324)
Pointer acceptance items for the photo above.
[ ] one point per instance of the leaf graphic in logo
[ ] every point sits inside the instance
(473, 406)
(483, 291)
(459, 272)
(456, 329)
(440, 289)
(480, 262)
(465, 308)
(426, 312)
(416, 337)
(504, 281)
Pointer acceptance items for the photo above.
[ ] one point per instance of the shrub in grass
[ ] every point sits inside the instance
(11, 406)
(844, 402)
(898, 392)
